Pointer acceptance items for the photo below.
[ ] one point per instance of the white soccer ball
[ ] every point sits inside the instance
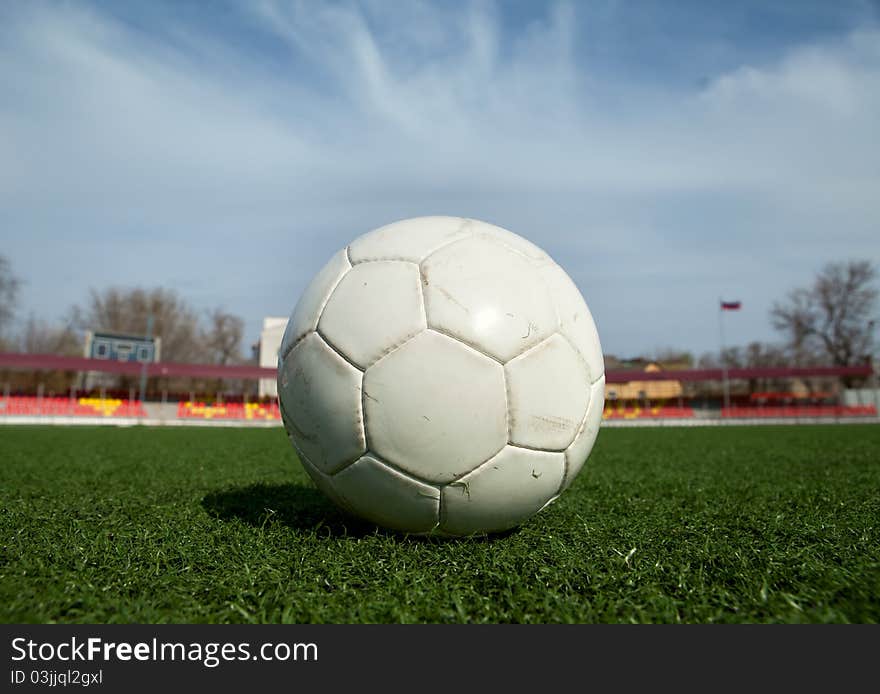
(441, 375)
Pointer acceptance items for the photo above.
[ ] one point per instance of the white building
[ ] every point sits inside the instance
(270, 343)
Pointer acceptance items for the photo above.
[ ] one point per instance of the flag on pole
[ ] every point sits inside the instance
(731, 305)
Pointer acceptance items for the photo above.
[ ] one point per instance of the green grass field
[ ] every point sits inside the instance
(150, 525)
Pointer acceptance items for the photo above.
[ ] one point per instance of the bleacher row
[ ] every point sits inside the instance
(800, 411)
(71, 407)
(119, 408)
(620, 411)
(232, 410)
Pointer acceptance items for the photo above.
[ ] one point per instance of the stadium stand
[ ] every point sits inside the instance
(798, 411)
(642, 395)
(24, 405)
(786, 398)
(231, 410)
(630, 411)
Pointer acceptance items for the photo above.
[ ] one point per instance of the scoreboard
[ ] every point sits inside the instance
(121, 347)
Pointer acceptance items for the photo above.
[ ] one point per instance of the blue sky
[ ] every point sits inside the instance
(665, 154)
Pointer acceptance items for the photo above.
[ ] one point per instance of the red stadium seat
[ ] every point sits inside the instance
(28, 405)
(798, 411)
(620, 411)
(230, 410)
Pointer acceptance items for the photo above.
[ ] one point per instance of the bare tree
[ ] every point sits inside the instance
(762, 354)
(41, 338)
(759, 355)
(184, 337)
(222, 337)
(9, 285)
(221, 341)
(670, 357)
(129, 310)
(834, 318)
(755, 355)
(731, 357)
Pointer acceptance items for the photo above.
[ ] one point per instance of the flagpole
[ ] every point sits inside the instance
(723, 359)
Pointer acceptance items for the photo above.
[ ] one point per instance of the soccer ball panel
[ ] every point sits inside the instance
(320, 394)
(487, 295)
(409, 239)
(322, 481)
(435, 408)
(308, 309)
(508, 238)
(387, 497)
(549, 390)
(375, 307)
(575, 320)
(576, 454)
(501, 493)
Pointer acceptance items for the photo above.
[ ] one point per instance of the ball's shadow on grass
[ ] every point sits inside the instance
(306, 508)
(294, 505)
